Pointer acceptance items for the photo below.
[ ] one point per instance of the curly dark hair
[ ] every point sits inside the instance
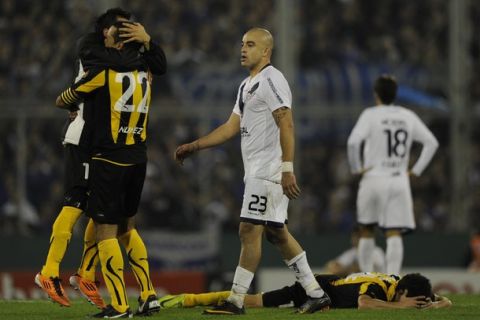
(109, 18)
(416, 285)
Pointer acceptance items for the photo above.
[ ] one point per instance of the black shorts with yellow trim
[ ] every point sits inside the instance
(77, 169)
(115, 190)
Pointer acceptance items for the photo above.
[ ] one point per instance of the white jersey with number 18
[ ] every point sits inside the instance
(388, 133)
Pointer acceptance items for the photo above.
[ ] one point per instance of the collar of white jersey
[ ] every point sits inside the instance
(265, 66)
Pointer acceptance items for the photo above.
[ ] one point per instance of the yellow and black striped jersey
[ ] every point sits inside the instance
(116, 106)
(344, 292)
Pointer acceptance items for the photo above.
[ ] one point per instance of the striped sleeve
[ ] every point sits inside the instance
(91, 81)
(69, 96)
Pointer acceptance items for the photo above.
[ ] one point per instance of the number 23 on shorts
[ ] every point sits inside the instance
(257, 204)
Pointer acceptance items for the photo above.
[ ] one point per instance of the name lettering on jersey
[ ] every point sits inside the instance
(394, 122)
(134, 130)
(391, 164)
(244, 132)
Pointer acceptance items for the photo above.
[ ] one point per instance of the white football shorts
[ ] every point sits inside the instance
(386, 201)
(264, 203)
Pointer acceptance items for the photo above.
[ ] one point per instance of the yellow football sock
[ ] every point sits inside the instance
(112, 268)
(61, 234)
(137, 257)
(205, 299)
(90, 253)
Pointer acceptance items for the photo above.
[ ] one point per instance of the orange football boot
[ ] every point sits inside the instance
(53, 288)
(89, 290)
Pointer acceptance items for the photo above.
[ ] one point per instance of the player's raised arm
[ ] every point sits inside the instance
(218, 136)
(92, 52)
(152, 53)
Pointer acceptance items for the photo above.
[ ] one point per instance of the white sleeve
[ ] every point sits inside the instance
(75, 128)
(277, 92)
(358, 134)
(423, 135)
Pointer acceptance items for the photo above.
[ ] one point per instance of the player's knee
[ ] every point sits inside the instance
(247, 232)
(366, 231)
(393, 233)
(61, 230)
(275, 236)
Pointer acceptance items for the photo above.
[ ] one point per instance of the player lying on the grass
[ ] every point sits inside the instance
(358, 290)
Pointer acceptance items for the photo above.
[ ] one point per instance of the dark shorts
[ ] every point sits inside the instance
(115, 191)
(76, 176)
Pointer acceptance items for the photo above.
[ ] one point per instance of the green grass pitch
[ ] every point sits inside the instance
(464, 307)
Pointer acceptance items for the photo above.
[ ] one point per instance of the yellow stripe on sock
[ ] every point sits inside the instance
(112, 268)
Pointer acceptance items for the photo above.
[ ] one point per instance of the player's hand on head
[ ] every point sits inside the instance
(289, 185)
(134, 31)
(413, 302)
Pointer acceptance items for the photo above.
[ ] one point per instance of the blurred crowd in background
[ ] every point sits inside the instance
(201, 39)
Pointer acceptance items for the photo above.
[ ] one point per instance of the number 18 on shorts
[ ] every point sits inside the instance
(264, 203)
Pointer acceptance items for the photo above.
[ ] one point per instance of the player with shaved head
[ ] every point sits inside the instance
(263, 117)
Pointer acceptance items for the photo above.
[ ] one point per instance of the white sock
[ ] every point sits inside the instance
(304, 275)
(394, 255)
(241, 283)
(365, 254)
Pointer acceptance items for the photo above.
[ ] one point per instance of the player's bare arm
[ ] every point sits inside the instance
(218, 136)
(284, 120)
(367, 302)
(59, 103)
(134, 31)
(281, 113)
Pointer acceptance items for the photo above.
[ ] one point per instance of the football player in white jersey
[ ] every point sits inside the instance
(384, 197)
(262, 115)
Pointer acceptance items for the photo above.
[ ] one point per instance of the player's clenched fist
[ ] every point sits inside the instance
(184, 151)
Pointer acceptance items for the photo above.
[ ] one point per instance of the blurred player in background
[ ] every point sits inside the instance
(262, 115)
(93, 53)
(358, 290)
(384, 196)
(347, 262)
